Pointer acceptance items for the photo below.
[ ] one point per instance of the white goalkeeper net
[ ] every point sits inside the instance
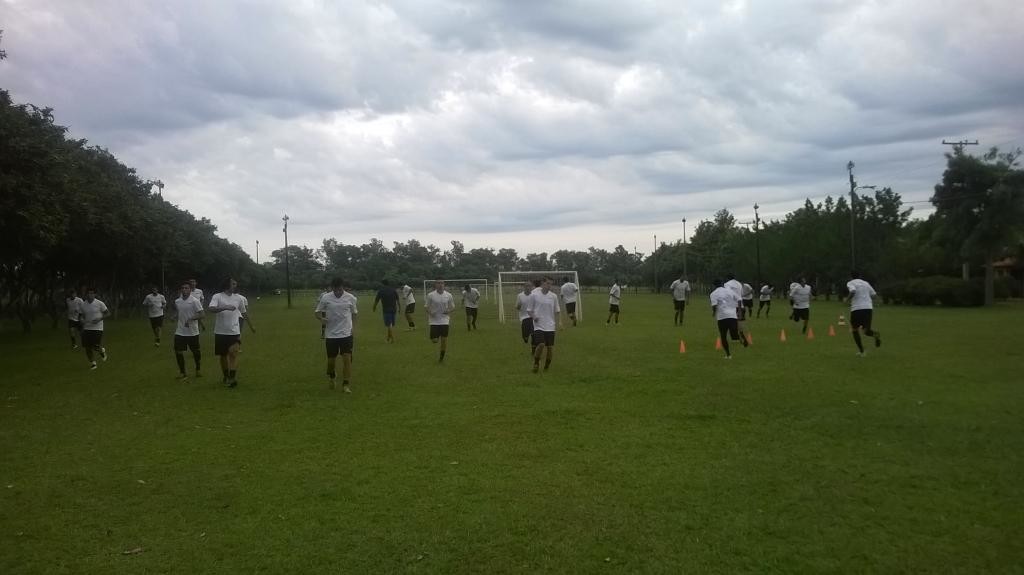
(510, 284)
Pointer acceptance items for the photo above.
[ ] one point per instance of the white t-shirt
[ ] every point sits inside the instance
(725, 301)
(860, 294)
(407, 293)
(471, 298)
(188, 324)
(736, 287)
(340, 312)
(615, 295)
(679, 289)
(801, 296)
(91, 311)
(439, 306)
(569, 291)
(227, 321)
(74, 307)
(793, 286)
(198, 294)
(155, 304)
(544, 309)
(766, 293)
(522, 304)
(748, 291)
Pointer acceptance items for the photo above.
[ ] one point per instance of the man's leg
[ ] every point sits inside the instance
(856, 339)
(538, 351)
(723, 336)
(682, 312)
(197, 356)
(610, 314)
(346, 371)
(474, 318)
(179, 357)
(332, 375)
(232, 361)
(444, 347)
(73, 332)
(550, 353)
(675, 319)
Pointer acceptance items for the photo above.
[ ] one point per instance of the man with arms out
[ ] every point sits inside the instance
(229, 308)
(186, 335)
(861, 310)
(765, 300)
(680, 288)
(522, 305)
(801, 298)
(471, 301)
(387, 297)
(74, 305)
(544, 310)
(440, 304)
(155, 302)
(93, 311)
(614, 300)
(725, 304)
(199, 295)
(337, 312)
(570, 292)
(747, 293)
(409, 299)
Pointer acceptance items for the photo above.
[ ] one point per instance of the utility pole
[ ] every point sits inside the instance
(853, 218)
(684, 249)
(259, 276)
(757, 244)
(287, 272)
(657, 288)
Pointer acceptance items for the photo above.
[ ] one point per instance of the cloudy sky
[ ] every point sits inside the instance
(530, 124)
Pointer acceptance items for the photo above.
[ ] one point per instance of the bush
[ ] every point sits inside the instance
(932, 290)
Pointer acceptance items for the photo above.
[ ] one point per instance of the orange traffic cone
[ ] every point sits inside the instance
(831, 330)
(718, 343)
(810, 332)
(782, 336)
(682, 346)
(750, 338)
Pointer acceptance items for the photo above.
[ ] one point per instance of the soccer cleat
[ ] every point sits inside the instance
(74, 347)
(346, 389)
(332, 383)
(183, 377)
(198, 374)
(233, 383)
(728, 357)
(103, 353)
(861, 354)
(536, 368)
(92, 365)
(878, 339)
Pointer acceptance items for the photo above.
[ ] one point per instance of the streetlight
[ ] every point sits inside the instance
(657, 289)
(287, 273)
(853, 245)
(757, 243)
(684, 249)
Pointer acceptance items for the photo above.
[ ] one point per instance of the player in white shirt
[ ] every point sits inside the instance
(680, 289)
(92, 312)
(74, 307)
(801, 298)
(747, 293)
(409, 299)
(522, 305)
(792, 312)
(187, 311)
(545, 310)
(470, 301)
(229, 308)
(155, 302)
(614, 300)
(199, 295)
(337, 311)
(440, 304)
(765, 300)
(570, 293)
(725, 304)
(861, 310)
(735, 285)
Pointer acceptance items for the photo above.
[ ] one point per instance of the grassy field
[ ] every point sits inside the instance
(626, 457)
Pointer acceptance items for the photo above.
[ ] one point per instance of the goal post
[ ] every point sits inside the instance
(455, 285)
(511, 283)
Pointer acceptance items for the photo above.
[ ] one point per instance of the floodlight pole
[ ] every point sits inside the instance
(757, 244)
(684, 249)
(287, 272)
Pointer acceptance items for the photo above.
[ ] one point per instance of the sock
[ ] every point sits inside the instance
(856, 339)
(231, 373)
(547, 363)
(442, 354)
(196, 356)
(72, 341)
(225, 372)
(181, 362)
(412, 324)
(332, 374)
(344, 382)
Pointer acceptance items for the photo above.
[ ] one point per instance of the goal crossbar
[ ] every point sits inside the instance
(511, 283)
(428, 285)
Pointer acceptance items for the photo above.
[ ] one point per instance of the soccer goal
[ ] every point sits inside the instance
(455, 286)
(511, 283)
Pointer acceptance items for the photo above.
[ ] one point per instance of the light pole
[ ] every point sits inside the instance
(657, 288)
(757, 244)
(287, 272)
(684, 249)
(853, 218)
(163, 247)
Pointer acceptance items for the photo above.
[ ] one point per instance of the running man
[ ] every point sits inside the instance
(323, 328)
(337, 312)
(229, 308)
(74, 305)
(747, 293)
(155, 303)
(725, 304)
(471, 301)
(570, 292)
(545, 312)
(387, 297)
(735, 285)
(522, 305)
(241, 320)
(801, 298)
(198, 294)
(680, 289)
(792, 312)
(440, 304)
(187, 310)
(409, 299)
(614, 300)
(861, 310)
(765, 300)
(92, 312)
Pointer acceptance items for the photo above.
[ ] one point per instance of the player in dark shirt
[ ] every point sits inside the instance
(387, 297)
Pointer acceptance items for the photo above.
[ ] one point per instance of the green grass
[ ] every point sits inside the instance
(627, 457)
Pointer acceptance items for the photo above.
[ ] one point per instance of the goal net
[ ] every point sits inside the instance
(455, 286)
(511, 283)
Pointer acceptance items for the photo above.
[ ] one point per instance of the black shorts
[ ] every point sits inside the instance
(471, 312)
(861, 318)
(729, 325)
(570, 307)
(342, 345)
(802, 314)
(764, 302)
(543, 338)
(92, 338)
(748, 303)
(183, 342)
(680, 304)
(155, 322)
(527, 327)
(410, 307)
(223, 342)
(74, 324)
(437, 331)
(613, 308)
